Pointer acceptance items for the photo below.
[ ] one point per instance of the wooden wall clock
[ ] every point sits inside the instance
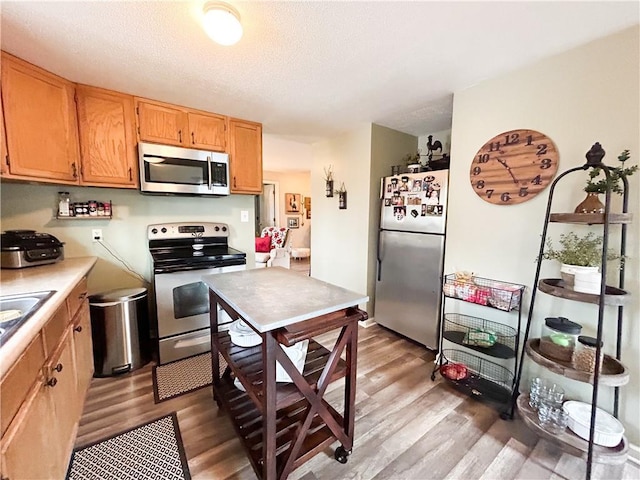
(513, 167)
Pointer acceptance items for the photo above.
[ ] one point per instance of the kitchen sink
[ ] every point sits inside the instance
(17, 309)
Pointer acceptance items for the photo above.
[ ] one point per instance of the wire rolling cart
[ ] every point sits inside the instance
(475, 339)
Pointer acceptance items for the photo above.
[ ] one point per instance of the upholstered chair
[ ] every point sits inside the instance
(279, 249)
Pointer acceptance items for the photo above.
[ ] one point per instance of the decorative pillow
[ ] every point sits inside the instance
(263, 244)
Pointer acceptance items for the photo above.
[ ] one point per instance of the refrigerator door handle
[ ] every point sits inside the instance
(379, 256)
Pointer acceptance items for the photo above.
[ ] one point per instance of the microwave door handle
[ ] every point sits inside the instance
(209, 171)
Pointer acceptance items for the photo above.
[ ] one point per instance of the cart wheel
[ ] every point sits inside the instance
(433, 376)
(341, 454)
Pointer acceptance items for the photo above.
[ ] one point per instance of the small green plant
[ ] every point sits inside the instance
(342, 189)
(328, 174)
(574, 250)
(599, 185)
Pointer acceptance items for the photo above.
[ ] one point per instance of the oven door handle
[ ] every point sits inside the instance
(209, 171)
(192, 342)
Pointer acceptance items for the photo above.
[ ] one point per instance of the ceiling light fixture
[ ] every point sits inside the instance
(222, 23)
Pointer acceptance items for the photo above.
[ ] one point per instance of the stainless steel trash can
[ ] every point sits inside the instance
(120, 331)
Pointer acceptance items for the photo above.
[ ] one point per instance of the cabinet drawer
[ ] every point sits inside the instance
(17, 382)
(54, 329)
(77, 297)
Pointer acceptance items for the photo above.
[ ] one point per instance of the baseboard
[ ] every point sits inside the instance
(367, 323)
(634, 454)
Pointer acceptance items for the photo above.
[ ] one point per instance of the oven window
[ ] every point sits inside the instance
(190, 299)
(176, 170)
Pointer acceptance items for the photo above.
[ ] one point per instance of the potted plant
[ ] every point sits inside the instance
(579, 256)
(328, 180)
(413, 162)
(597, 183)
(342, 197)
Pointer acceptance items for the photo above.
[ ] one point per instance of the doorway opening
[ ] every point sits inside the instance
(266, 207)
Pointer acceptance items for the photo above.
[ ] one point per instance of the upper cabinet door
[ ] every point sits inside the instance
(3, 145)
(41, 125)
(245, 152)
(161, 123)
(107, 138)
(207, 131)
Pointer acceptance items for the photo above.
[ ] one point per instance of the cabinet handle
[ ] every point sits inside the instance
(75, 170)
(193, 138)
(234, 182)
(180, 136)
(58, 368)
(130, 175)
(82, 296)
(52, 382)
(78, 329)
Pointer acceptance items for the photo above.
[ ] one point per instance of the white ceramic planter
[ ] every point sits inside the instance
(587, 282)
(567, 272)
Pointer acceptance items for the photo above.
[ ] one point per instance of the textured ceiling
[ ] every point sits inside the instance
(306, 70)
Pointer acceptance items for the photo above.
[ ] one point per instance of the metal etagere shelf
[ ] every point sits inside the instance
(612, 373)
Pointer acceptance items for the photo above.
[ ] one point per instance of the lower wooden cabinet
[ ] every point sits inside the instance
(43, 394)
(83, 350)
(29, 450)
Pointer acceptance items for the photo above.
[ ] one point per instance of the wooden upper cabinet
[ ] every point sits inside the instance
(245, 152)
(41, 124)
(106, 124)
(161, 123)
(207, 131)
(4, 167)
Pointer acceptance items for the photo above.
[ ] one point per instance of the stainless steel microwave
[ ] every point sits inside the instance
(174, 170)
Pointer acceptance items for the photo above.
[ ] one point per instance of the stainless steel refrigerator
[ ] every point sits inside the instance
(411, 254)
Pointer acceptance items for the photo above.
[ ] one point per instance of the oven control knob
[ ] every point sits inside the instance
(217, 229)
(224, 229)
(164, 230)
(154, 230)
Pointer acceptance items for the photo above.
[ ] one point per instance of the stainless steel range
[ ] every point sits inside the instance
(182, 253)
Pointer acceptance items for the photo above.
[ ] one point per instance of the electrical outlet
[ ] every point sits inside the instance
(96, 234)
(244, 215)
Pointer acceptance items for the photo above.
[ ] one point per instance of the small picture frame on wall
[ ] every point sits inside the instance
(292, 202)
(292, 222)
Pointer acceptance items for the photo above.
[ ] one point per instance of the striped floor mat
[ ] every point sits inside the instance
(150, 451)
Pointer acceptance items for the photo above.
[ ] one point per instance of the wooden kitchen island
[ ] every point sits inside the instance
(282, 425)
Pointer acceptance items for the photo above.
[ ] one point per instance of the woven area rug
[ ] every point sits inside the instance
(150, 451)
(183, 376)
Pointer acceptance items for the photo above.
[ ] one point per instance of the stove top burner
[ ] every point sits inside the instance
(190, 246)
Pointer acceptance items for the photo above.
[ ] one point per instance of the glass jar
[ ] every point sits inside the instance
(584, 355)
(559, 338)
(64, 204)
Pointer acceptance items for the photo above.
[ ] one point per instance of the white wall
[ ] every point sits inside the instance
(293, 182)
(582, 96)
(340, 237)
(388, 148)
(26, 206)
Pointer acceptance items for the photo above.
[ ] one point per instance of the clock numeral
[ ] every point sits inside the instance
(483, 158)
(512, 139)
(505, 197)
(545, 163)
(489, 192)
(494, 146)
(537, 180)
(523, 192)
(477, 170)
(480, 184)
(542, 149)
(529, 140)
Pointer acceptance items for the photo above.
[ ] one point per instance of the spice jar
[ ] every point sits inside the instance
(559, 337)
(584, 355)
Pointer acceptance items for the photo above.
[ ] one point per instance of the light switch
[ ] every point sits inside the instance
(244, 215)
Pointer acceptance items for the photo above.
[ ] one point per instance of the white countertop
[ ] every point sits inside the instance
(61, 276)
(270, 298)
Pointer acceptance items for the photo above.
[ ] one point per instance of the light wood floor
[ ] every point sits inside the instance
(302, 265)
(407, 426)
